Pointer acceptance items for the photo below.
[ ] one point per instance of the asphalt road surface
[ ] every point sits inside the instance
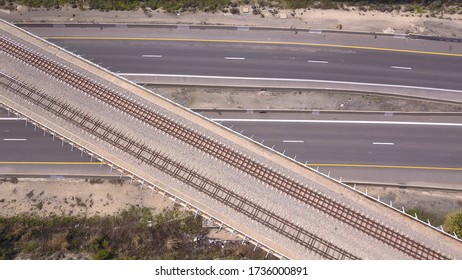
(266, 54)
(341, 138)
(383, 149)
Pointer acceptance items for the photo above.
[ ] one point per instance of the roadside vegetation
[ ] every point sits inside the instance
(453, 223)
(421, 215)
(430, 8)
(133, 234)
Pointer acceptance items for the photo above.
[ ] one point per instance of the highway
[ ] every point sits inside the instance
(408, 149)
(26, 150)
(374, 152)
(269, 54)
(352, 139)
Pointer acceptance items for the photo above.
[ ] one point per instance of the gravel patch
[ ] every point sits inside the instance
(269, 99)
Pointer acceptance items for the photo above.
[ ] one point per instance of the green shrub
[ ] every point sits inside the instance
(234, 11)
(453, 223)
(296, 4)
(104, 254)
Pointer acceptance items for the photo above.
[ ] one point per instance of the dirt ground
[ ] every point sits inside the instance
(435, 203)
(74, 197)
(354, 20)
(227, 98)
(70, 197)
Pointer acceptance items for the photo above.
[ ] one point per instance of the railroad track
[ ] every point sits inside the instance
(175, 169)
(247, 165)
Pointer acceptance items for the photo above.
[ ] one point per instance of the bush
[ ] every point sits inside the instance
(96, 181)
(296, 4)
(118, 182)
(383, 8)
(421, 215)
(408, 8)
(59, 242)
(419, 9)
(104, 254)
(435, 6)
(362, 9)
(39, 205)
(453, 223)
(235, 11)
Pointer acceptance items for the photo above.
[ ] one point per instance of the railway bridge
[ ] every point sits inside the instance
(266, 198)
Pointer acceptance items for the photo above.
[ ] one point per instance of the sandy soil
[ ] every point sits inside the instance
(227, 98)
(45, 197)
(372, 21)
(71, 197)
(74, 197)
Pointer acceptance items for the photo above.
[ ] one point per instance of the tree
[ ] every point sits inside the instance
(453, 223)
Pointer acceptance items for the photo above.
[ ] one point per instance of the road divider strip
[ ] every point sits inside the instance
(339, 122)
(289, 80)
(384, 166)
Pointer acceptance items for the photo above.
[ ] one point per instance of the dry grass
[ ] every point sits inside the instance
(133, 234)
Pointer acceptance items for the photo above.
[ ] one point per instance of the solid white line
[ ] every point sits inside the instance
(293, 141)
(317, 61)
(383, 143)
(338, 122)
(234, 58)
(11, 119)
(401, 67)
(152, 55)
(286, 80)
(9, 139)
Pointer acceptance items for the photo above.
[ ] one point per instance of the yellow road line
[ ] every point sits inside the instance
(311, 165)
(47, 163)
(66, 174)
(385, 166)
(251, 42)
